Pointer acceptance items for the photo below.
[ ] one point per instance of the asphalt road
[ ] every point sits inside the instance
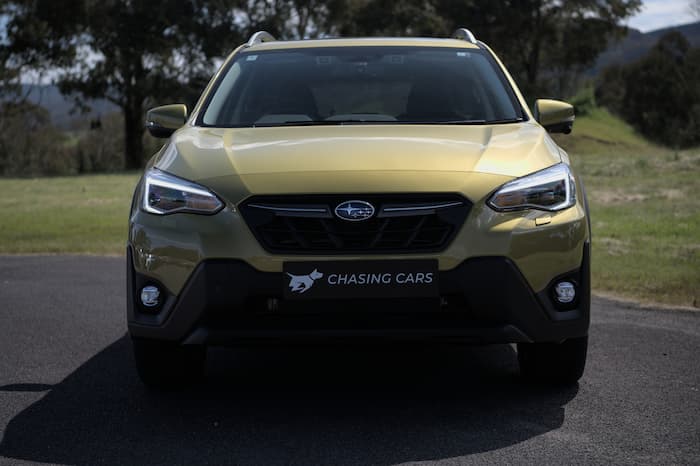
(69, 394)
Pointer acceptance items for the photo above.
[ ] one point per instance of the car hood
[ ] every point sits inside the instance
(474, 160)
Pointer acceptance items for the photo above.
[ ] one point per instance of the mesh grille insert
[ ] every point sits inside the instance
(402, 223)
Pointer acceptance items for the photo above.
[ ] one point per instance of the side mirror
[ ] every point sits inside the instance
(556, 116)
(161, 122)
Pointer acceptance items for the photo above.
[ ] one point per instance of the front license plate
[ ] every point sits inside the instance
(360, 279)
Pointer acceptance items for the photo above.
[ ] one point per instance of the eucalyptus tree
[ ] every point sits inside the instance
(133, 53)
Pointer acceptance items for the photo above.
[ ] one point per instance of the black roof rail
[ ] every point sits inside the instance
(260, 37)
(464, 34)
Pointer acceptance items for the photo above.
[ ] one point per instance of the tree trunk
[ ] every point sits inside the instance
(133, 136)
(532, 66)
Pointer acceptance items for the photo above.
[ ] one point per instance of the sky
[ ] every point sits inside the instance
(657, 14)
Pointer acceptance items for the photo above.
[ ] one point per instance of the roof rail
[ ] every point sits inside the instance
(260, 37)
(464, 34)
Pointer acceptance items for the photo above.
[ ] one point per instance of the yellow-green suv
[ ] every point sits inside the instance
(375, 188)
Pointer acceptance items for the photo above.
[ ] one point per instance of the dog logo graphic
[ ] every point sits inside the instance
(303, 283)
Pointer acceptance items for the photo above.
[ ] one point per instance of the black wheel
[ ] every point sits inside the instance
(168, 365)
(556, 363)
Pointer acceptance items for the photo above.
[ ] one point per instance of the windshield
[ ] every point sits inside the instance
(361, 85)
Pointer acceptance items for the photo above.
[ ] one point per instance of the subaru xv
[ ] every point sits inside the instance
(367, 189)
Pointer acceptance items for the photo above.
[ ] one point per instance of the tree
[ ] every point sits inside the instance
(131, 52)
(286, 19)
(544, 42)
(659, 94)
(387, 18)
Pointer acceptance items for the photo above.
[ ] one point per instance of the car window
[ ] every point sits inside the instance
(361, 84)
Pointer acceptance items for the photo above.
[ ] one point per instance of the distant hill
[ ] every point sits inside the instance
(636, 44)
(60, 106)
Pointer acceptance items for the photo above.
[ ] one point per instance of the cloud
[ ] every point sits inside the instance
(658, 14)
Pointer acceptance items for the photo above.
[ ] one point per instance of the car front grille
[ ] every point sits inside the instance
(402, 223)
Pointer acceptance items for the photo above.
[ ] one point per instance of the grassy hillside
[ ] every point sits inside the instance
(79, 214)
(645, 211)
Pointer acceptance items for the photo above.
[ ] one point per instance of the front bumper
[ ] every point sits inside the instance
(482, 300)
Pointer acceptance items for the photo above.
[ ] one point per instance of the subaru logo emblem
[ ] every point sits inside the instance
(354, 211)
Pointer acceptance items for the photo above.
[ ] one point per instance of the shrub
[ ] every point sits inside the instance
(29, 144)
(584, 101)
(101, 148)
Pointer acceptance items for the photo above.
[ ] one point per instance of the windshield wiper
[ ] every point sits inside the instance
(480, 122)
(385, 122)
(294, 123)
(319, 123)
(460, 122)
(505, 120)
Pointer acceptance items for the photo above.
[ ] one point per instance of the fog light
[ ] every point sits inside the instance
(565, 291)
(150, 296)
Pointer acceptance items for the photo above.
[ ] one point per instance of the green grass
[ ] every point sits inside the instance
(645, 211)
(644, 204)
(79, 214)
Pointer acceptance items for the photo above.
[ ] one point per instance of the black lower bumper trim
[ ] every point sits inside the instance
(226, 337)
(484, 299)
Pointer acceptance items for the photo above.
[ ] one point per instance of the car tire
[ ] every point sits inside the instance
(166, 365)
(554, 363)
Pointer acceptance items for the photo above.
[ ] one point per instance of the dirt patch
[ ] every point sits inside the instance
(607, 197)
(599, 140)
(687, 252)
(615, 196)
(613, 246)
(672, 194)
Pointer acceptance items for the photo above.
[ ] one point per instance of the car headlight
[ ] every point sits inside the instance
(167, 194)
(550, 189)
